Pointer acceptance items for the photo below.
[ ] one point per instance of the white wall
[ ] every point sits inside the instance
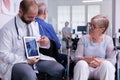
(117, 17)
(3, 19)
(106, 9)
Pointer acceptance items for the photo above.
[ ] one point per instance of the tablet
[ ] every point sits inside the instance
(31, 48)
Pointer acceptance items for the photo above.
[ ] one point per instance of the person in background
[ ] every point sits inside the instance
(44, 27)
(95, 57)
(66, 34)
(13, 63)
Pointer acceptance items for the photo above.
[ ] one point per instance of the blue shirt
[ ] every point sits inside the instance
(47, 30)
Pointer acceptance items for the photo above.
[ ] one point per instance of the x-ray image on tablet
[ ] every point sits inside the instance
(31, 47)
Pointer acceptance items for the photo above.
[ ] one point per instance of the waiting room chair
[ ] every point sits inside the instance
(53, 52)
(60, 57)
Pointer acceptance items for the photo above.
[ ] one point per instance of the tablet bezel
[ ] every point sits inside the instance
(26, 49)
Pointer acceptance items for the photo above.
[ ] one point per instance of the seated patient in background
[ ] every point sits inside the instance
(47, 29)
(44, 27)
(95, 57)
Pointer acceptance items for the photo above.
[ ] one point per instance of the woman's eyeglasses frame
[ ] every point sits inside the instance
(92, 26)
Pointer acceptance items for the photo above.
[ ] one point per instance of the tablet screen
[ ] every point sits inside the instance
(31, 47)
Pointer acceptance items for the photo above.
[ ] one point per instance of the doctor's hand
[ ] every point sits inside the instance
(44, 41)
(33, 60)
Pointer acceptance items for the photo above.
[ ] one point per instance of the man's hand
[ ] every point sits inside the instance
(33, 60)
(43, 41)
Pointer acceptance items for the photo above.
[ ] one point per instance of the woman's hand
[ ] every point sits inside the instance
(88, 59)
(33, 60)
(95, 62)
(92, 61)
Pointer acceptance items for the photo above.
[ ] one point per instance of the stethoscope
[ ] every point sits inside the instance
(18, 35)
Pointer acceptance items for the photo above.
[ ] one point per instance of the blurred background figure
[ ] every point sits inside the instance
(66, 34)
(44, 27)
(75, 41)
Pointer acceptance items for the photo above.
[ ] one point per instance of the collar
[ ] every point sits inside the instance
(39, 19)
(19, 22)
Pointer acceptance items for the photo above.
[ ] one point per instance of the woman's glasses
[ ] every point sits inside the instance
(91, 26)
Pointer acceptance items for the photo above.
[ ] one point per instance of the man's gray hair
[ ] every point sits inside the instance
(41, 8)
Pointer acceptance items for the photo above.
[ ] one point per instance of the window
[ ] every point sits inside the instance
(77, 15)
(63, 16)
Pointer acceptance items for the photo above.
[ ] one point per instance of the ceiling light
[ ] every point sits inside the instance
(86, 1)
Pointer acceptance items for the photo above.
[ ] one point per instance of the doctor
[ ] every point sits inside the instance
(13, 63)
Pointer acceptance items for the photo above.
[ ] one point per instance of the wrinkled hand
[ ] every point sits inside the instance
(95, 63)
(43, 41)
(88, 59)
(33, 60)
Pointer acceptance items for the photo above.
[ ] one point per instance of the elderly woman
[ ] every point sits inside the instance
(94, 56)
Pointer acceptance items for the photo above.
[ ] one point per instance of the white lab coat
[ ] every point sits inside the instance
(11, 49)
